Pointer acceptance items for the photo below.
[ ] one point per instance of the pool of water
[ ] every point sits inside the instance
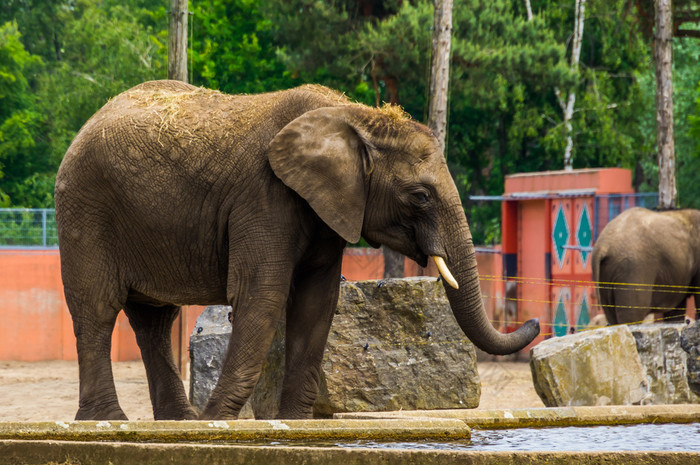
(646, 437)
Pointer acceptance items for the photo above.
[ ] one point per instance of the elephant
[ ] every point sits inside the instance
(176, 195)
(648, 261)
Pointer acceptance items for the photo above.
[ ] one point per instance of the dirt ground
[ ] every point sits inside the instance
(49, 390)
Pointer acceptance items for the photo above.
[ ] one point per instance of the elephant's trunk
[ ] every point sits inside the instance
(466, 302)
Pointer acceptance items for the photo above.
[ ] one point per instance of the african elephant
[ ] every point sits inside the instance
(173, 195)
(656, 257)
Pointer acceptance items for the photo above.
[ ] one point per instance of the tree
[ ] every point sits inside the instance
(91, 50)
(567, 105)
(440, 69)
(233, 48)
(177, 43)
(663, 64)
(681, 22)
(685, 14)
(686, 108)
(23, 163)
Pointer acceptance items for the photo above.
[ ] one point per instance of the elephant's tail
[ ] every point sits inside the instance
(603, 289)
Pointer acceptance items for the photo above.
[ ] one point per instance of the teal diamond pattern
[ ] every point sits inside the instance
(584, 315)
(560, 324)
(584, 233)
(560, 236)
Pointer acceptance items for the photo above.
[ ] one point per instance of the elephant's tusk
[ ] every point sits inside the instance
(445, 272)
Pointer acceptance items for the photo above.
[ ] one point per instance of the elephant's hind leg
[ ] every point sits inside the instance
(93, 333)
(153, 325)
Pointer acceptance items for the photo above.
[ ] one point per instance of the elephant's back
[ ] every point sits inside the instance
(179, 131)
(163, 132)
(639, 240)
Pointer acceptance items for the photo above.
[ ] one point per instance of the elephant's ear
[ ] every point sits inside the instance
(321, 157)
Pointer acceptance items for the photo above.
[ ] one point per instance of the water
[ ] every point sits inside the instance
(646, 437)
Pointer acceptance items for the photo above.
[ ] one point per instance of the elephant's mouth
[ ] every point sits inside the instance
(421, 258)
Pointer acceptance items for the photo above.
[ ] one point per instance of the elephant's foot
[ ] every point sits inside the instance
(112, 412)
(294, 414)
(185, 413)
(220, 411)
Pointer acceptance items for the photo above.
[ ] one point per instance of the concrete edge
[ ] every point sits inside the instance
(397, 429)
(551, 416)
(79, 453)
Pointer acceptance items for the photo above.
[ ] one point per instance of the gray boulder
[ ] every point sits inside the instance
(690, 343)
(665, 362)
(394, 344)
(599, 367)
(617, 365)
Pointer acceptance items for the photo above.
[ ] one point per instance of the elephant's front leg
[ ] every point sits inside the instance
(256, 314)
(309, 317)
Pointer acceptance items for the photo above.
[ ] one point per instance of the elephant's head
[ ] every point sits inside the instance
(376, 173)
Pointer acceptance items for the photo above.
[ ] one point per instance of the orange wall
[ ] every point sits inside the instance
(35, 323)
(363, 263)
(532, 243)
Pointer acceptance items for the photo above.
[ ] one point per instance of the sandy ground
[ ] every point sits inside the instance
(49, 390)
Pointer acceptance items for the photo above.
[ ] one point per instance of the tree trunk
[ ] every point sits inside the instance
(528, 8)
(568, 107)
(440, 69)
(393, 263)
(663, 60)
(439, 82)
(177, 51)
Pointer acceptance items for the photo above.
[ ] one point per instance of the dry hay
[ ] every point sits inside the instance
(327, 93)
(395, 113)
(169, 106)
(174, 110)
(169, 103)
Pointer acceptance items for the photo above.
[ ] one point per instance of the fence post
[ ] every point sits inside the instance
(43, 227)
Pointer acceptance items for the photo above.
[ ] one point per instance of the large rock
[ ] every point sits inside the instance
(208, 344)
(394, 344)
(599, 367)
(690, 343)
(665, 362)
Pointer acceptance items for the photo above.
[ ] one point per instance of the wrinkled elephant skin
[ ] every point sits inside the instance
(647, 261)
(174, 195)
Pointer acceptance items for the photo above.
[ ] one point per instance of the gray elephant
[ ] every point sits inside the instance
(655, 256)
(173, 195)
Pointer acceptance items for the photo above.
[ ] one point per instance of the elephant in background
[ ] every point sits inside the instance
(655, 256)
(175, 195)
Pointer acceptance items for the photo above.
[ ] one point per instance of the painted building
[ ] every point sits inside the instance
(550, 221)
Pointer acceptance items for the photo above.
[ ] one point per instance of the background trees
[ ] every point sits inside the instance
(60, 60)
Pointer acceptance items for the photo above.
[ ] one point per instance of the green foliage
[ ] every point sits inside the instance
(22, 152)
(694, 121)
(90, 51)
(686, 109)
(233, 48)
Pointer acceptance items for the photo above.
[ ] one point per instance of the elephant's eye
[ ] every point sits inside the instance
(421, 197)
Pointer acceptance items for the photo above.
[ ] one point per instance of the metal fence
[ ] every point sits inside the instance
(608, 206)
(28, 228)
